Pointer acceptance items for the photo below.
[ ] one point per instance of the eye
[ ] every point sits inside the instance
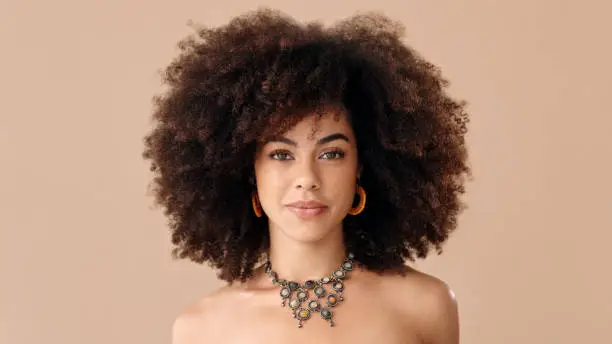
(334, 154)
(279, 155)
(285, 155)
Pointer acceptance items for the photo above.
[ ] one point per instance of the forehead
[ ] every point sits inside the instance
(315, 125)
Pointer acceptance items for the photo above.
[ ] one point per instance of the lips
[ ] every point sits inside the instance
(311, 204)
(307, 213)
(307, 209)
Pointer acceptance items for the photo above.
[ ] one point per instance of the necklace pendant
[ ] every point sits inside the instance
(332, 300)
(338, 286)
(294, 303)
(302, 295)
(314, 305)
(303, 314)
(347, 266)
(339, 274)
(309, 284)
(320, 291)
(327, 315)
(285, 292)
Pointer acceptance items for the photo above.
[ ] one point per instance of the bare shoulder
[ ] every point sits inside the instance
(426, 303)
(199, 320)
(425, 292)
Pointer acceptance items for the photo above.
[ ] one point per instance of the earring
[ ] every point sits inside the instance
(256, 206)
(362, 202)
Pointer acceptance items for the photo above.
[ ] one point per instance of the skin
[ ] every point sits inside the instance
(389, 308)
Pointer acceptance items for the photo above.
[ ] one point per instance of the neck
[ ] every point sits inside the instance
(299, 261)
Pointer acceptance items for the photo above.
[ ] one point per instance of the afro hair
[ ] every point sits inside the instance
(234, 85)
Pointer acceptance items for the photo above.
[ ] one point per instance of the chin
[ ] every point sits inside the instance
(305, 234)
(306, 231)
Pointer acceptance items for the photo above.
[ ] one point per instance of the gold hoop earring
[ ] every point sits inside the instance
(362, 202)
(256, 206)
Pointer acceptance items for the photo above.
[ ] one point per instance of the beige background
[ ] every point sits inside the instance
(85, 259)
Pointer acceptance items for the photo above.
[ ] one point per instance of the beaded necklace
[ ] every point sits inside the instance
(302, 304)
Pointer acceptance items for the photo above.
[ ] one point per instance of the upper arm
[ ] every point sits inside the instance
(196, 324)
(183, 330)
(439, 314)
(193, 324)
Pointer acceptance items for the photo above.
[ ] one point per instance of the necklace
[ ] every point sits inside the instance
(303, 312)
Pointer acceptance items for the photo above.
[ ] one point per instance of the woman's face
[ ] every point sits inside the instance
(300, 166)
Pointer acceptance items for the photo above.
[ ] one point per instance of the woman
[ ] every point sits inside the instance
(307, 165)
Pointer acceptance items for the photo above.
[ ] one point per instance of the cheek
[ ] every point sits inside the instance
(341, 184)
(269, 183)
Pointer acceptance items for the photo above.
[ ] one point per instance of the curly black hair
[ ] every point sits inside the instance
(233, 86)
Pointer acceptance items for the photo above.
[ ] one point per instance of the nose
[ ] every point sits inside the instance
(311, 186)
(308, 177)
(309, 182)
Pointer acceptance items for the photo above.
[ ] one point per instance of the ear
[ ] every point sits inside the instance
(359, 169)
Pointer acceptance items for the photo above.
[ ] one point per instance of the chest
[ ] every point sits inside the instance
(360, 319)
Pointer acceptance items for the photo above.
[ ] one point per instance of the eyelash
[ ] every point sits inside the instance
(337, 152)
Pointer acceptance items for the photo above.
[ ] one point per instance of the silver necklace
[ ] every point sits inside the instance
(302, 304)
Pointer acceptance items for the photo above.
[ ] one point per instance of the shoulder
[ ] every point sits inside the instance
(426, 304)
(199, 319)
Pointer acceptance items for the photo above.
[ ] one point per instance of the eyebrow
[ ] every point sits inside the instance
(321, 141)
